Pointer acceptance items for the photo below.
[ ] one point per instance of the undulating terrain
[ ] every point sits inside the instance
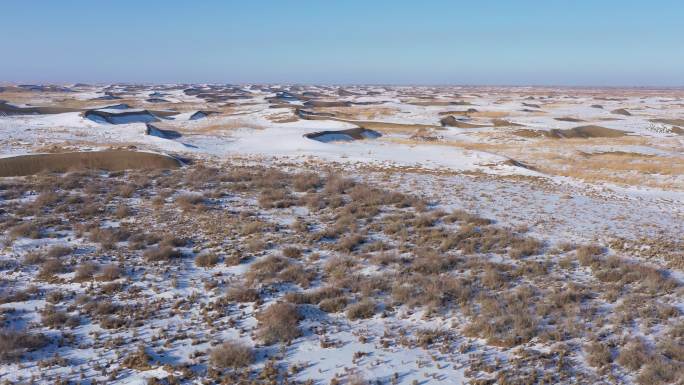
(283, 234)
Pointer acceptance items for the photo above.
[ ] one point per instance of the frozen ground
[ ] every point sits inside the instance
(577, 279)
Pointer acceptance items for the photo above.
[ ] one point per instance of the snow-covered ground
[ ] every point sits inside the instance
(550, 195)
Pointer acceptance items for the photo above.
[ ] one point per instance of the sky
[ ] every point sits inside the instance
(484, 42)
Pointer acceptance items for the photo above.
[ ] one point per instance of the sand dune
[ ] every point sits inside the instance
(451, 121)
(112, 160)
(117, 116)
(590, 131)
(7, 109)
(343, 135)
(158, 132)
(621, 111)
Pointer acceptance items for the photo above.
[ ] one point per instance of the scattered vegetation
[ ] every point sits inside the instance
(354, 252)
(278, 323)
(232, 355)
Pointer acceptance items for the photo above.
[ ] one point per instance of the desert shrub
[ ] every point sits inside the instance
(333, 305)
(90, 209)
(569, 296)
(113, 322)
(51, 267)
(206, 260)
(298, 274)
(139, 241)
(46, 199)
(231, 354)
(464, 216)
(339, 267)
(25, 230)
(276, 198)
(635, 306)
(126, 190)
(598, 354)
(458, 290)
(524, 247)
(588, 254)
(315, 201)
(138, 360)
(472, 239)
(110, 273)
(531, 268)
(676, 330)
(278, 323)
(505, 320)
(672, 349)
(123, 211)
(645, 278)
(424, 220)
(336, 184)
(111, 288)
(428, 261)
(100, 308)
(58, 251)
(357, 379)
(266, 269)
(494, 277)
(164, 253)
(350, 242)
(566, 246)
(108, 237)
(292, 252)
(14, 296)
(417, 290)
(158, 202)
(54, 297)
(660, 372)
(344, 224)
(256, 244)
(191, 202)
(385, 258)
(364, 195)
(253, 227)
(242, 294)
(362, 309)
(315, 296)
(634, 355)
(429, 336)
(566, 263)
(85, 271)
(306, 181)
(13, 344)
(201, 176)
(234, 259)
(393, 224)
(300, 226)
(53, 318)
(172, 241)
(656, 281)
(34, 258)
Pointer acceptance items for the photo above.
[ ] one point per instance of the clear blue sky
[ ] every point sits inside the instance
(581, 42)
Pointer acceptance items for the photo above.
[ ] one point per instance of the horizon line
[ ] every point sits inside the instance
(465, 85)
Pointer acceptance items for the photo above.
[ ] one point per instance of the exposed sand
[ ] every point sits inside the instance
(114, 160)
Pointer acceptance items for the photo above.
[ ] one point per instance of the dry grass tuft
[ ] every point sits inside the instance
(231, 355)
(278, 323)
(361, 310)
(206, 260)
(164, 253)
(598, 354)
(13, 344)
